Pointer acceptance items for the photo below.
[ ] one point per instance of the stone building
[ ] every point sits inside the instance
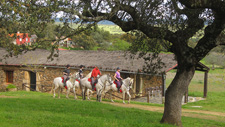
(36, 72)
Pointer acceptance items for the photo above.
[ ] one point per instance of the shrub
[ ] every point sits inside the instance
(10, 86)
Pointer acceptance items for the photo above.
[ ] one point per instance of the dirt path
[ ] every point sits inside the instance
(209, 115)
(3, 96)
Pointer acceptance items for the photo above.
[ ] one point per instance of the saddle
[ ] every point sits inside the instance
(63, 81)
(77, 80)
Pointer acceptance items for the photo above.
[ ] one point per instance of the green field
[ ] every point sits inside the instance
(216, 90)
(113, 29)
(33, 109)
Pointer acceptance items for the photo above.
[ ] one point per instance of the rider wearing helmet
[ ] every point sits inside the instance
(94, 75)
(81, 71)
(118, 78)
(66, 74)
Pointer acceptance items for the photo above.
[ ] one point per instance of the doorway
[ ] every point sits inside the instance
(32, 81)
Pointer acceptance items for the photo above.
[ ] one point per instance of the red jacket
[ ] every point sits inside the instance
(95, 72)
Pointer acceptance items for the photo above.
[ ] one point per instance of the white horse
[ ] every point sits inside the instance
(57, 83)
(100, 86)
(85, 84)
(77, 85)
(109, 88)
(127, 84)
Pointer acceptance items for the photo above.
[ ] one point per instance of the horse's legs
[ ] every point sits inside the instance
(111, 96)
(74, 91)
(123, 97)
(67, 93)
(83, 93)
(128, 93)
(54, 88)
(97, 95)
(100, 94)
(88, 94)
(84, 97)
(59, 92)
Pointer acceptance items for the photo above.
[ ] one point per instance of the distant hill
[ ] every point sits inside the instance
(104, 22)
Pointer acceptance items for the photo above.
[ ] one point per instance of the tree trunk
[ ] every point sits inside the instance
(174, 95)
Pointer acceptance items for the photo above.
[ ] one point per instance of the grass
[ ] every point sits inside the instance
(113, 29)
(32, 109)
(214, 102)
(216, 90)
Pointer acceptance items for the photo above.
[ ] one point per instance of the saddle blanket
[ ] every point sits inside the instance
(78, 80)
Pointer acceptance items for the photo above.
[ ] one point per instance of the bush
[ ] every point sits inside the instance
(119, 45)
(10, 86)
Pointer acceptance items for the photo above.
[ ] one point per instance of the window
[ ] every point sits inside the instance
(9, 76)
(26, 39)
(20, 39)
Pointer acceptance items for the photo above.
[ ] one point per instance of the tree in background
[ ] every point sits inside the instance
(37, 17)
(84, 40)
(175, 22)
(128, 37)
(118, 44)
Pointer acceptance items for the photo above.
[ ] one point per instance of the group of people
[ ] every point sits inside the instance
(94, 75)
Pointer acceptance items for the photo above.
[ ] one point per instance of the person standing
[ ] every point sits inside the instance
(118, 78)
(94, 75)
(66, 74)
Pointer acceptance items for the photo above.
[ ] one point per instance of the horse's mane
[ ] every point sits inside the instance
(127, 80)
(89, 75)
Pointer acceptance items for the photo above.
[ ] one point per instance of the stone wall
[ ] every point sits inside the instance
(2, 80)
(46, 75)
(150, 81)
(17, 77)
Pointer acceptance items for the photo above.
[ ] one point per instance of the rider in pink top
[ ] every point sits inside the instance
(118, 79)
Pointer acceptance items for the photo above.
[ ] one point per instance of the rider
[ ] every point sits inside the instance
(81, 71)
(66, 74)
(94, 75)
(118, 78)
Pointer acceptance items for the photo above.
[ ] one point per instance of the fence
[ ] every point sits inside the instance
(153, 92)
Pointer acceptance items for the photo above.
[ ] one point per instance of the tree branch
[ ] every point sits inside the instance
(208, 42)
(216, 5)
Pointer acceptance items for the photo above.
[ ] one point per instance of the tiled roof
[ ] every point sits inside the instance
(107, 60)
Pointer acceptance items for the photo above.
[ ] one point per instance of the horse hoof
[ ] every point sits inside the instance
(112, 101)
(124, 103)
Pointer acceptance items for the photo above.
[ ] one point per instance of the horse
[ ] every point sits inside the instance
(85, 84)
(126, 85)
(111, 88)
(100, 86)
(57, 83)
(77, 85)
